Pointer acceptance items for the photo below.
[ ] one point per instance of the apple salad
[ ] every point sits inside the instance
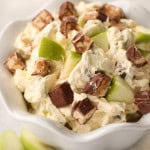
(84, 66)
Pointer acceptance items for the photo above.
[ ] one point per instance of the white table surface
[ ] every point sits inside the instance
(17, 9)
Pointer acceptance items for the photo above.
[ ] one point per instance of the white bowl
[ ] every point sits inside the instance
(112, 137)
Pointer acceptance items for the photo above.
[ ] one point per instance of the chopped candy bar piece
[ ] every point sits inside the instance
(68, 24)
(113, 12)
(101, 14)
(83, 110)
(135, 56)
(62, 95)
(42, 19)
(14, 61)
(42, 68)
(98, 85)
(142, 100)
(82, 42)
(110, 11)
(67, 9)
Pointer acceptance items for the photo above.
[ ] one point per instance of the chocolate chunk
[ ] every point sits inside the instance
(142, 100)
(110, 11)
(83, 110)
(62, 95)
(68, 24)
(42, 19)
(82, 42)
(67, 9)
(42, 68)
(135, 56)
(14, 61)
(98, 85)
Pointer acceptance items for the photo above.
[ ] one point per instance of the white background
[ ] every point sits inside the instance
(17, 9)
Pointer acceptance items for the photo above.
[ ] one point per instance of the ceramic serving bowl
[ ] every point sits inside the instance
(112, 137)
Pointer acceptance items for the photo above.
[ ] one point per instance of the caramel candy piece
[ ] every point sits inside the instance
(42, 68)
(14, 61)
(83, 110)
(110, 11)
(67, 9)
(142, 100)
(135, 56)
(98, 85)
(82, 42)
(62, 95)
(42, 19)
(68, 24)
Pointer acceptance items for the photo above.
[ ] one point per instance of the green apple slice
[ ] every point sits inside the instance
(142, 37)
(51, 50)
(93, 28)
(30, 142)
(101, 41)
(71, 60)
(120, 91)
(10, 141)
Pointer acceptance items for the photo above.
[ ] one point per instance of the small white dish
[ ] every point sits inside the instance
(112, 137)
